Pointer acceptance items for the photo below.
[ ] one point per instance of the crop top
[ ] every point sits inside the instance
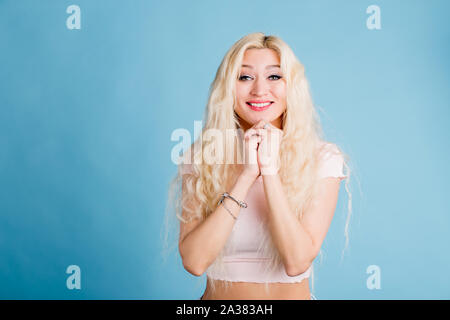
(245, 265)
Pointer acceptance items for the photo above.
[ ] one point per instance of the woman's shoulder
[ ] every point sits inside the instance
(328, 149)
(331, 160)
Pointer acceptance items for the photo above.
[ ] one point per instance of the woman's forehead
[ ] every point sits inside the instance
(266, 56)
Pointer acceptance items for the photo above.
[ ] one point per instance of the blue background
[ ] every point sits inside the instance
(86, 118)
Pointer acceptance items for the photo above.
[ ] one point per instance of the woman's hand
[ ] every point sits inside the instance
(269, 149)
(251, 142)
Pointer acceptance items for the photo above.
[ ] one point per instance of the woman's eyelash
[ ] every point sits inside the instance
(278, 77)
(275, 75)
(243, 77)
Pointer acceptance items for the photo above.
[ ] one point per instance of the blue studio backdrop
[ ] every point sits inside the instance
(91, 91)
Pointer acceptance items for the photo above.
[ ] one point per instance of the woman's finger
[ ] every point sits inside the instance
(260, 124)
(249, 133)
(255, 139)
(263, 132)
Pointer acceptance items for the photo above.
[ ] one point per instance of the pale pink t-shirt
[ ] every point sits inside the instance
(245, 265)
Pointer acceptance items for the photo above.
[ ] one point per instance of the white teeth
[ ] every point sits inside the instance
(259, 105)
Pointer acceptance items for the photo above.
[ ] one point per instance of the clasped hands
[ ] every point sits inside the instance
(262, 149)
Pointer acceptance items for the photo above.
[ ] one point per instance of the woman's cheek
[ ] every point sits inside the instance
(280, 92)
(241, 92)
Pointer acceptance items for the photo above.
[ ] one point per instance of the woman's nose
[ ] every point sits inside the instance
(259, 87)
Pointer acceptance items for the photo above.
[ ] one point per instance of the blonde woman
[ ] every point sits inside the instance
(255, 227)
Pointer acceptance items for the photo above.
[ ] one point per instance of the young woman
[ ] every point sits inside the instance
(255, 226)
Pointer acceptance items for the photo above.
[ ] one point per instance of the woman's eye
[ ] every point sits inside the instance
(244, 78)
(275, 77)
(271, 77)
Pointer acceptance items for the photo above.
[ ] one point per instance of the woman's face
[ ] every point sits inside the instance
(260, 89)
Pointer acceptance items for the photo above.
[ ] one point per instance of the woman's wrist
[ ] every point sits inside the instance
(247, 178)
(269, 171)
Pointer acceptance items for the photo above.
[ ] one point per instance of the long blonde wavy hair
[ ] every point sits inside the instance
(298, 170)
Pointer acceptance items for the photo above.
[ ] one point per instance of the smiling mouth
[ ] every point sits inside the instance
(259, 106)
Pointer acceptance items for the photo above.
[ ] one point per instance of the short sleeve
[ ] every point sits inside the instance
(331, 163)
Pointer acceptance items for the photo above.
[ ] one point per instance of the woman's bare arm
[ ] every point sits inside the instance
(299, 241)
(201, 241)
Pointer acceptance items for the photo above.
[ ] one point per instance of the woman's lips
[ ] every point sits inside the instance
(259, 106)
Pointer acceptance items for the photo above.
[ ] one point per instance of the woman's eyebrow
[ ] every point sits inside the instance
(267, 67)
